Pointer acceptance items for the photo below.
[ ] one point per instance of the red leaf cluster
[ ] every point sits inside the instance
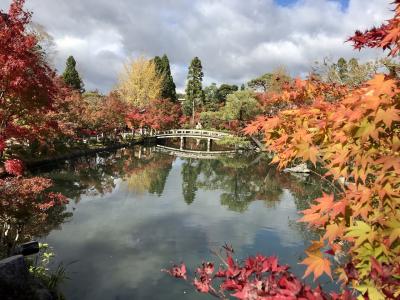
(25, 76)
(257, 278)
(14, 167)
(160, 114)
(27, 197)
(177, 271)
(387, 36)
(27, 83)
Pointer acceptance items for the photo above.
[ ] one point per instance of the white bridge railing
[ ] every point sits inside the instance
(191, 132)
(196, 133)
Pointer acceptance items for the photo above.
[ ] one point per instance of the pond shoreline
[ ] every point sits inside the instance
(79, 153)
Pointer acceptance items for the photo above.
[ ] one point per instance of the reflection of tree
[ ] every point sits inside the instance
(150, 174)
(28, 209)
(244, 179)
(86, 175)
(20, 230)
(190, 172)
(91, 175)
(142, 168)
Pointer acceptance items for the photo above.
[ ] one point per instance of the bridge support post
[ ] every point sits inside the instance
(209, 142)
(182, 143)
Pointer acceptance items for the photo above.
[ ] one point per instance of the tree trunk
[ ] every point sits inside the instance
(193, 112)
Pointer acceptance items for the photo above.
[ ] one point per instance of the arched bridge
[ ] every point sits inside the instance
(192, 133)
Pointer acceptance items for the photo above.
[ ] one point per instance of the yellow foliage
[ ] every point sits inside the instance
(139, 82)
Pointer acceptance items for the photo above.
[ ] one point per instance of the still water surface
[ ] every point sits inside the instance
(134, 211)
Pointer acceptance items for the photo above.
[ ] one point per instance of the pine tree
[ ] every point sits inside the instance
(71, 76)
(164, 70)
(194, 91)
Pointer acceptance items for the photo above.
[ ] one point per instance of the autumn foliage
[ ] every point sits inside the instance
(386, 36)
(27, 87)
(160, 114)
(355, 136)
(258, 277)
(28, 197)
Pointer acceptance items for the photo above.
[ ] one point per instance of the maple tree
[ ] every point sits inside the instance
(357, 139)
(27, 87)
(105, 114)
(161, 114)
(355, 136)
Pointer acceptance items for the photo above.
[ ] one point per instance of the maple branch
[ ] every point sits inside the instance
(220, 257)
(328, 181)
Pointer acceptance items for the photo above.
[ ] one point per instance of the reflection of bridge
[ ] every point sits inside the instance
(192, 133)
(193, 153)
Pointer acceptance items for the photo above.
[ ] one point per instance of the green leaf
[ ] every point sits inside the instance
(361, 232)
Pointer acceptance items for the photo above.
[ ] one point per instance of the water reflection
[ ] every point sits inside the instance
(136, 210)
(244, 179)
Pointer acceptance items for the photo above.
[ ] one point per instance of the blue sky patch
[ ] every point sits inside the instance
(344, 3)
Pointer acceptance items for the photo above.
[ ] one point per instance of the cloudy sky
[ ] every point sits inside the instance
(235, 39)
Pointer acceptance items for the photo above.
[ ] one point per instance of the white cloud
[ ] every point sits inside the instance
(236, 40)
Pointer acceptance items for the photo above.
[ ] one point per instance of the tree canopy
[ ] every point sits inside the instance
(270, 82)
(351, 73)
(241, 106)
(224, 90)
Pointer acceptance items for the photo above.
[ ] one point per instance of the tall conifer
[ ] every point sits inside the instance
(164, 70)
(71, 76)
(194, 91)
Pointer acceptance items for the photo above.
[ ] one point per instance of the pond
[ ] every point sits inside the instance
(134, 211)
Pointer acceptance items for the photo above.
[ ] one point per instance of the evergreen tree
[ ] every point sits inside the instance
(71, 76)
(211, 97)
(168, 90)
(194, 91)
(169, 87)
(158, 65)
(242, 87)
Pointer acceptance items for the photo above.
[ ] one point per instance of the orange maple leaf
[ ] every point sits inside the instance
(388, 116)
(315, 262)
